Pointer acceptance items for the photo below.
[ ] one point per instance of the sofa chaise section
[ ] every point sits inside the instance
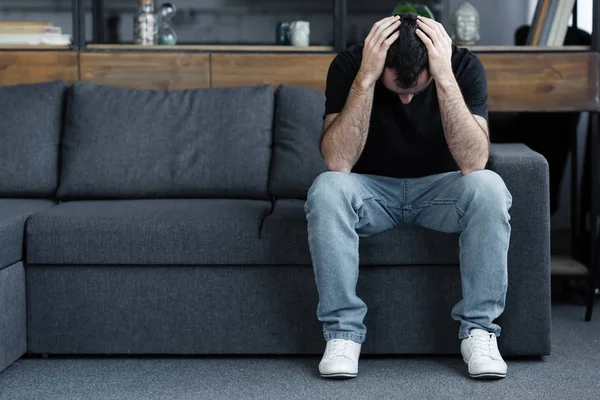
(13, 216)
(148, 232)
(30, 127)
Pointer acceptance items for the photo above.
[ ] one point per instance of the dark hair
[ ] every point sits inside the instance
(407, 56)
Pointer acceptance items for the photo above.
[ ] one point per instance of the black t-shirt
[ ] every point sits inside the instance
(406, 141)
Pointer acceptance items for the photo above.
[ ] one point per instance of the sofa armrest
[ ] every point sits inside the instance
(526, 176)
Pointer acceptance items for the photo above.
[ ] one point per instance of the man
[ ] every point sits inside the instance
(406, 142)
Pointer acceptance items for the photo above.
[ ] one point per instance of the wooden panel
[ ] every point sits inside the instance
(37, 66)
(33, 47)
(541, 82)
(146, 70)
(526, 49)
(209, 47)
(308, 70)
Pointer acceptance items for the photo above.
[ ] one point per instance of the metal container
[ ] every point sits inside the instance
(146, 24)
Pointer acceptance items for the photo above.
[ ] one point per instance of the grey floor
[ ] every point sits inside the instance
(571, 372)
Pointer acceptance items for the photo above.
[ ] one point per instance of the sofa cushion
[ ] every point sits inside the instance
(285, 230)
(30, 128)
(133, 143)
(297, 159)
(165, 231)
(13, 215)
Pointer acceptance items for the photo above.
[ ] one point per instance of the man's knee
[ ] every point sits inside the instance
(487, 189)
(329, 188)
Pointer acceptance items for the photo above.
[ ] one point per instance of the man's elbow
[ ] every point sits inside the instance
(467, 171)
(473, 168)
(334, 166)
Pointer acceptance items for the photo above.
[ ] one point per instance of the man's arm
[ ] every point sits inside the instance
(466, 134)
(345, 134)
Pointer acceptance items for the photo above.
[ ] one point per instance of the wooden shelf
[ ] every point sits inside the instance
(236, 48)
(529, 49)
(315, 49)
(33, 47)
(567, 266)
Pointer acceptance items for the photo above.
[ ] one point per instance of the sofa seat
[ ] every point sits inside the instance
(13, 215)
(148, 232)
(285, 230)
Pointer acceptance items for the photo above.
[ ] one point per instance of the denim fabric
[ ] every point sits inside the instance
(343, 207)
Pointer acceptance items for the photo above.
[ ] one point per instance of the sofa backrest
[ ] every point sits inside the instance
(133, 143)
(30, 128)
(297, 159)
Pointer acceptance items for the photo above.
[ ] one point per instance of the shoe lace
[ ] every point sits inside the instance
(339, 348)
(485, 346)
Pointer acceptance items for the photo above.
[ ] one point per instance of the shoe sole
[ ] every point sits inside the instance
(339, 376)
(488, 376)
(485, 375)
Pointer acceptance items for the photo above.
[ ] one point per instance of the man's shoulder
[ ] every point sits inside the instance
(351, 55)
(462, 54)
(354, 51)
(464, 61)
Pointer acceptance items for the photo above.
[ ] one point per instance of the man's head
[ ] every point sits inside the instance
(406, 71)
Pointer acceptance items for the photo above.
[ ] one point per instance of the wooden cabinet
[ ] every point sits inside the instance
(37, 66)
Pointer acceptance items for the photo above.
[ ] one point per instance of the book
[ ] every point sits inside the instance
(20, 23)
(562, 25)
(34, 39)
(539, 19)
(29, 29)
(547, 27)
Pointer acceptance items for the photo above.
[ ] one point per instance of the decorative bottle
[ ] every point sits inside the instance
(146, 24)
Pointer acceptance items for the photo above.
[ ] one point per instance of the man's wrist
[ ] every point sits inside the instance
(446, 82)
(364, 81)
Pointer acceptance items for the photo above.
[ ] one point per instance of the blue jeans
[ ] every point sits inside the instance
(343, 207)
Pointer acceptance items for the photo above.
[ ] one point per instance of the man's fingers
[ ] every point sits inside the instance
(388, 42)
(384, 34)
(376, 25)
(425, 39)
(439, 28)
(380, 26)
(431, 33)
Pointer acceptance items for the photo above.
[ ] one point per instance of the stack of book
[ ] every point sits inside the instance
(550, 22)
(31, 33)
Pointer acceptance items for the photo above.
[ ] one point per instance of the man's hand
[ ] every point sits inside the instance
(439, 48)
(377, 44)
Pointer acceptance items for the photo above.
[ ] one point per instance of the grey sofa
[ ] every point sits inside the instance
(155, 222)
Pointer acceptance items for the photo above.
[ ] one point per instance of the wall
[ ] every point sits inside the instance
(213, 21)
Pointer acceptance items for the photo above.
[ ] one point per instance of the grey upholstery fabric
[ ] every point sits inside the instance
(525, 173)
(182, 231)
(297, 157)
(30, 128)
(285, 230)
(13, 338)
(13, 215)
(131, 143)
(248, 310)
(200, 308)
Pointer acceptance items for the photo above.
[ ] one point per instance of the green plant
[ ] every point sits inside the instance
(405, 8)
(418, 9)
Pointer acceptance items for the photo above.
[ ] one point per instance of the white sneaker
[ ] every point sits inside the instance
(340, 359)
(480, 353)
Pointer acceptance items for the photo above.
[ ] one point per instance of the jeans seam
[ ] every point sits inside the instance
(362, 200)
(345, 336)
(437, 202)
(404, 212)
